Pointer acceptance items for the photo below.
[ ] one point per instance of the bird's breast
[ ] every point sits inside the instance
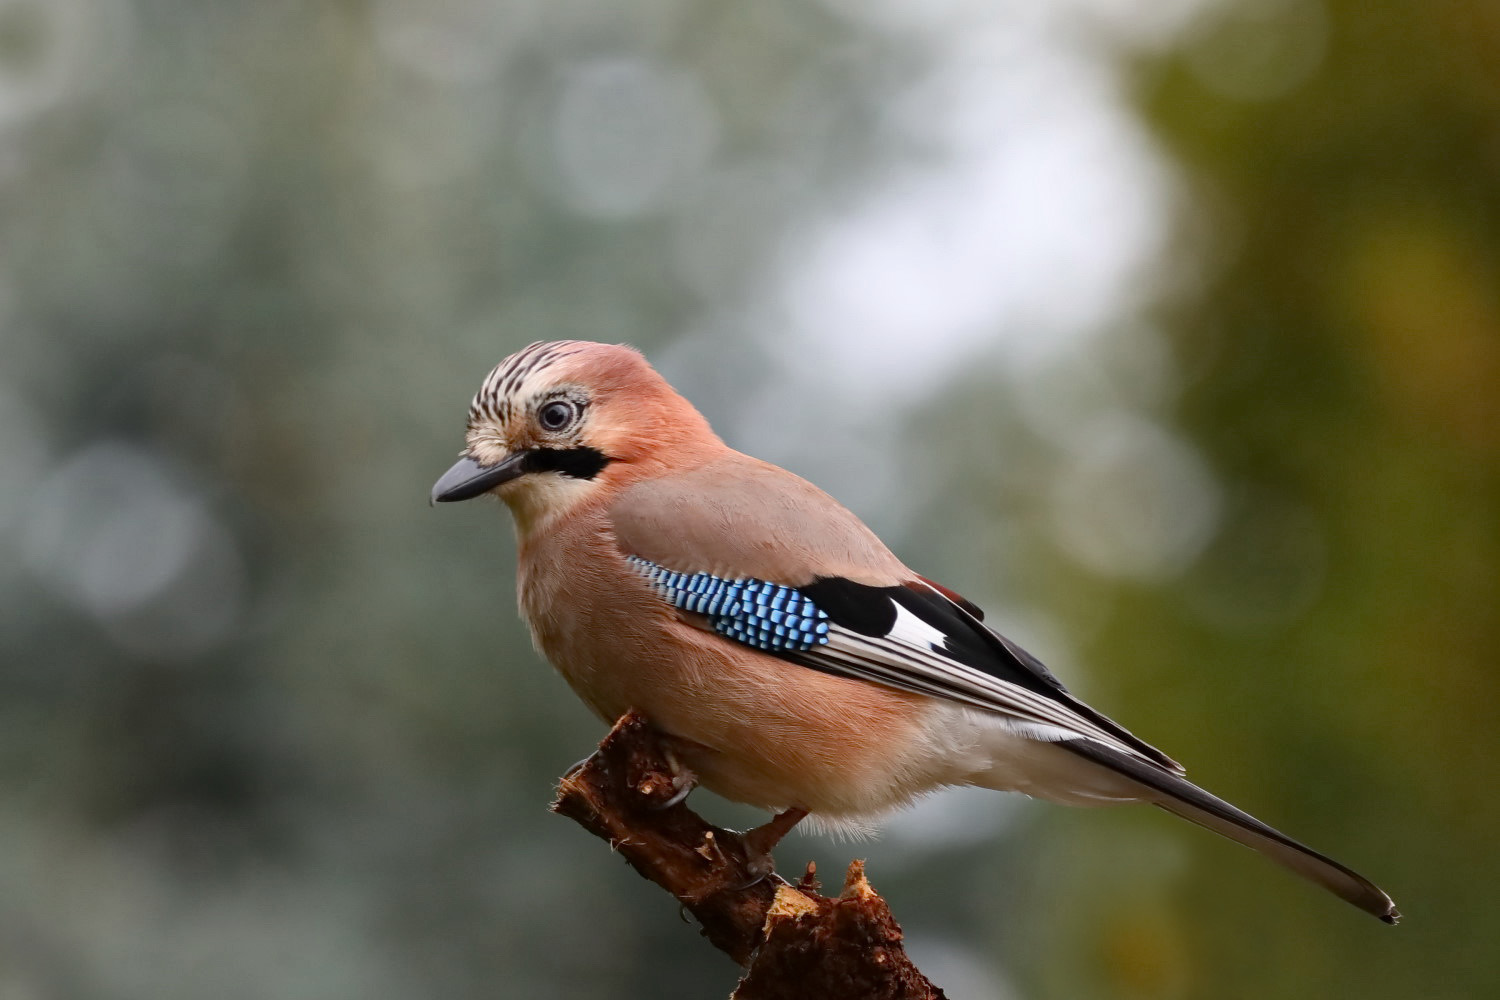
(591, 618)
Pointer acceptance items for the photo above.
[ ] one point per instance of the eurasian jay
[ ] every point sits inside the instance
(793, 661)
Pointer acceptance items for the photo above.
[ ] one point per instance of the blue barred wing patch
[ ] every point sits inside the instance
(765, 615)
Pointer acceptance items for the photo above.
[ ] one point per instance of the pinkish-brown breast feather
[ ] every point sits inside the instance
(737, 516)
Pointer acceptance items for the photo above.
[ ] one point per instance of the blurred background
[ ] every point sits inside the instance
(1167, 331)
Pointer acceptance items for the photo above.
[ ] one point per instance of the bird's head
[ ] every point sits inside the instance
(556, 424)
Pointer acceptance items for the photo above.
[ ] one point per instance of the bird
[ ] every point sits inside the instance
(794, 662)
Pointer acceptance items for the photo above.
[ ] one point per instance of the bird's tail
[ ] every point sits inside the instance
(1185, 799)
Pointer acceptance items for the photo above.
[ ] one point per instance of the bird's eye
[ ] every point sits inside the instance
(557, 414)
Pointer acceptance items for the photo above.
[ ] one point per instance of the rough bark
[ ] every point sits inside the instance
(792, 941)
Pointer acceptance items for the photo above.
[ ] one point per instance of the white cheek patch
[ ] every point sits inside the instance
(540, 497)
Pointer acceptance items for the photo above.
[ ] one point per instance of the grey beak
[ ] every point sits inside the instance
(468, 479)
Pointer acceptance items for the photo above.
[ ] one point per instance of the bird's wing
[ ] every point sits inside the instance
(739, 516)
(914, 636)
(764, 558)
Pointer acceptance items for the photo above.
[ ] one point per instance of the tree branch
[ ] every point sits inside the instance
(793, 942)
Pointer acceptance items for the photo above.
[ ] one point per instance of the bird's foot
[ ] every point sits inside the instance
(757, 843)
(683, 782)
(680, 779)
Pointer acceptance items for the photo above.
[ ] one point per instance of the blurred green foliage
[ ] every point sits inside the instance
(1346, 382)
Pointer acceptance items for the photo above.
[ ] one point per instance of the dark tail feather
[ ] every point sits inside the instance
(1183, 798)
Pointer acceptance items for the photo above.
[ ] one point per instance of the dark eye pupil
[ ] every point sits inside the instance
(556, 415)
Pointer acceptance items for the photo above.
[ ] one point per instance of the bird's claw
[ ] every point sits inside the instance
(685, 785)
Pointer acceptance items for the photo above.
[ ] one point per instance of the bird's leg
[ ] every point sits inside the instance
(760, 840)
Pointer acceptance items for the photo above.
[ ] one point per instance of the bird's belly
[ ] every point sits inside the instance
(754, 728)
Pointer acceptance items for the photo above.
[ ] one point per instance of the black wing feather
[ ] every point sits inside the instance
(872, 611)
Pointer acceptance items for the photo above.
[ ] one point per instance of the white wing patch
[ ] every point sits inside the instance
(913, 631)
